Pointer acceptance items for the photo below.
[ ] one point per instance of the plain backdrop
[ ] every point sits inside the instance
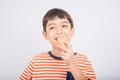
(97, 25)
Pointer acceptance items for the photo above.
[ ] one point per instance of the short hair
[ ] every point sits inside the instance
(56, 12)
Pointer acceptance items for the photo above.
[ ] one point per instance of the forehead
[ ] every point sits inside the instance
(57, 20)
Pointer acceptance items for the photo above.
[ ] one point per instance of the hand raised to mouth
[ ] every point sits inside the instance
(61, 41)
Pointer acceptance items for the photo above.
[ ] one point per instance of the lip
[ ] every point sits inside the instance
(59, 36)
(56, 38)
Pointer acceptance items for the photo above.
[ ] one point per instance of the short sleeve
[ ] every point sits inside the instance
(27, 72)
(86, 67)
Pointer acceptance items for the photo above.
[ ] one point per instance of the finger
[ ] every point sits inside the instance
(63, 55)
(67, 44)
(62, 49)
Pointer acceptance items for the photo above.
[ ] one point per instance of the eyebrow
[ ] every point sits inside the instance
(54, 23)
(50, 24)
(65, 22)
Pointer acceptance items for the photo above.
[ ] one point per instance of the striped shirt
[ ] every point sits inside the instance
(46, 66)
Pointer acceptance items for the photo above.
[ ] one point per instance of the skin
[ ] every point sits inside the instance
(55, 29)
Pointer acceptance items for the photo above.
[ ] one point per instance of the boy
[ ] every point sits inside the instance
(61, 63)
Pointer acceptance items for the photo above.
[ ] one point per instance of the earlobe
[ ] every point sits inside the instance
(45, 35)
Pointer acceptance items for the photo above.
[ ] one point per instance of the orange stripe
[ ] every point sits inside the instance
(47, 64)
(48, 70)
(53, 77)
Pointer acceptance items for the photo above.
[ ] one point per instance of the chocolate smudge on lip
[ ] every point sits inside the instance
(56, 38)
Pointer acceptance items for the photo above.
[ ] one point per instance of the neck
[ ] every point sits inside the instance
(56, 52)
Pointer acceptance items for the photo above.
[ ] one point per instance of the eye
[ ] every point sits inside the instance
(51, 28)
(64, 26)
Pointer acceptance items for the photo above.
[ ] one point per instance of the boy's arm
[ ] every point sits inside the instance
(88, 69)
(67, 56)
(82, 71)
(75, 70)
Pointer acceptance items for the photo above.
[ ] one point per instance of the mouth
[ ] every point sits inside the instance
(57, 38)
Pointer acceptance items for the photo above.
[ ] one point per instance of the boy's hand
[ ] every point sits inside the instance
(67, 56)
(67, 52)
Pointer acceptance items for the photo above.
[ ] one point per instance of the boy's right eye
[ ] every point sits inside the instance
(51, 28)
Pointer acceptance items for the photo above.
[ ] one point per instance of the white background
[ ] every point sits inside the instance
(97, 35)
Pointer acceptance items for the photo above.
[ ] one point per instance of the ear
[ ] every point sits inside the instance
(45, 35)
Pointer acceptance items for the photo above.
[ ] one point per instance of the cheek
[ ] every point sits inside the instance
(50, 35)
(69, 34)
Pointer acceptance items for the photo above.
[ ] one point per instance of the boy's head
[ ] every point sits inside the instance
(57, 27)
(53, 13)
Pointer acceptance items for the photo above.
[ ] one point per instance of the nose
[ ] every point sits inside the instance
(59, 31)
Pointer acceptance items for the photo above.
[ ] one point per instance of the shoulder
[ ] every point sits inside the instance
(40, 56)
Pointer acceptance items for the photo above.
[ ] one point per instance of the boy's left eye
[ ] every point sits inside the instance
(64, 26)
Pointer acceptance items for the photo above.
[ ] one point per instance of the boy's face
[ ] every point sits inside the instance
(57, 28)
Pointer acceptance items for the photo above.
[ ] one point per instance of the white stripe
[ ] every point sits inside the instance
(51, 69)
(61, 67)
